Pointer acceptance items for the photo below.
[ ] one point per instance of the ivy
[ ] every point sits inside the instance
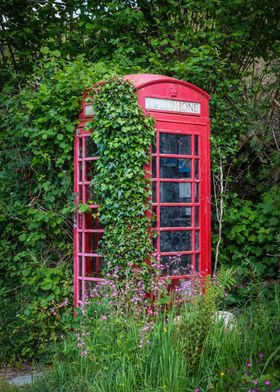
(123, 135)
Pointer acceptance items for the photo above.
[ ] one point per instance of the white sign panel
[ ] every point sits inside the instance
(89, 110)
(171, 105)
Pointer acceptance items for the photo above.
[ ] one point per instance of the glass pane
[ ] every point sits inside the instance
(197, 240)
(80, 265)
(154, 150)
(197, 257)
(94, 265)
(154, 172)
(80, 147)
(175, 192)
(196, 168)
(196, 145)
(91, 222)
(196, 191)
(175, 144)
(196, 216)
(175, 216)
(91, 147)
(172, 241)
(176, 265)
(154, 192)
(92, 242)
(89, 193)
(80, 245)
(90, 170)
(80, 195)
(80, 172)
(175, 168)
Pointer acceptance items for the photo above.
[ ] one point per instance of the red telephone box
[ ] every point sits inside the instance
(180, 170)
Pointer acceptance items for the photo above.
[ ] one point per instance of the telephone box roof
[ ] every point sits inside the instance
(143, 80)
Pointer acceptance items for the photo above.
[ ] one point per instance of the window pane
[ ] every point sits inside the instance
(80, 265)
(172, 241)
(175, 216)
(80, 147)
(175, 144)
(94, 265)
(80, 244)
(80, 172)
(197, 259)
(176, 265)
(89, 193)
(92, 242)
(154, 172)
(154, 192)
(90, 170)
(196, 216)
(196, 168)
(80, 195)
(196, 145)
(91, 147)
(197, 240)
(196, 191)
(175, 192)
(90, 221)
(175, 168)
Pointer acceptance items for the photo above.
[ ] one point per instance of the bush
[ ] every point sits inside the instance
(251, 243)
(36, 203)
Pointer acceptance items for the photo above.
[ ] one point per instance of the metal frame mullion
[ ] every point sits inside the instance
(193, 203)
(158, 194)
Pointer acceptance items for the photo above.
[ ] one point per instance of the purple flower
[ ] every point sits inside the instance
(248, 365)
(84, 353)
(267, 382)
(255, 382)
(261, 355)
(197, 390)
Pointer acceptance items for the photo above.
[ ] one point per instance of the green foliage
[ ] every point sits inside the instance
(123, 135)
(36, 206)
(252, 243)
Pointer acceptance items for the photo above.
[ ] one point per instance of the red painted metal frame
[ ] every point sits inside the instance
(86, 238)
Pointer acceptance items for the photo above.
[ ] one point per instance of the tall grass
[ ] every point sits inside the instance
(179, 350)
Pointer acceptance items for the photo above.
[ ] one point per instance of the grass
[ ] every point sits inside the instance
(190, 353)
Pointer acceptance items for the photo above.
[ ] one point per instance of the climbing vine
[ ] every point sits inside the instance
(123, 135)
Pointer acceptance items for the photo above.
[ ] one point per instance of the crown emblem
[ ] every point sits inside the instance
(173, 91)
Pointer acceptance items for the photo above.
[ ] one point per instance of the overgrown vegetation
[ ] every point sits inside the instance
(183, 349)
(123, 135)
(214, 45)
